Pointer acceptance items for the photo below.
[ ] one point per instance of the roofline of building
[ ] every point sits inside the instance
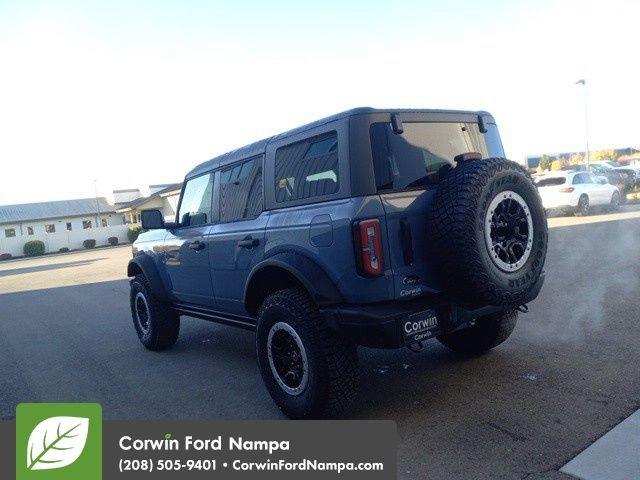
(138, 202)
(92, 214)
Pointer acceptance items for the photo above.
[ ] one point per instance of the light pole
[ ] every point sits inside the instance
(586, 121)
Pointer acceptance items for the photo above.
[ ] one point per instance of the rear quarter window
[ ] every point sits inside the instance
(308, 168)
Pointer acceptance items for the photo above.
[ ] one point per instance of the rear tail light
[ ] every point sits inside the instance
(567, 189)
(368, 241)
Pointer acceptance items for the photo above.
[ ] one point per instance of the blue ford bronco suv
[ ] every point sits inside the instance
(382, 228)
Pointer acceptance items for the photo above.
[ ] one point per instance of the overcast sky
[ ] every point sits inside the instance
(135, 93)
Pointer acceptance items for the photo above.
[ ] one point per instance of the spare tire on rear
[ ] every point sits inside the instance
(489, 233)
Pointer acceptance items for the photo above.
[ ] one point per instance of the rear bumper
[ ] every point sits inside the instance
(382, 325)
(552, 202)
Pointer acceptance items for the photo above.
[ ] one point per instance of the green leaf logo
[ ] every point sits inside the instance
(56, 442)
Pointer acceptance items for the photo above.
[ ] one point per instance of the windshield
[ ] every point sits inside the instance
(424, 151)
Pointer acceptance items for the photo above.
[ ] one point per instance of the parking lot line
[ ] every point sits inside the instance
(613, 456)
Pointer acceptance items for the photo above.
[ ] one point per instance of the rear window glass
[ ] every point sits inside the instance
(425, 151)
(550, 182)
(307, 169)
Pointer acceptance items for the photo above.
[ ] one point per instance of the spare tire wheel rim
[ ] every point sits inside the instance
(508, 231)
(287, 358)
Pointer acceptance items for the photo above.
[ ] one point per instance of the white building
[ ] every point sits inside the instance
(162, 197)
(59, 224)
(68, 223)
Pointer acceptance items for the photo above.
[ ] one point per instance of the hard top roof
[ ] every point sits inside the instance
(260, 146)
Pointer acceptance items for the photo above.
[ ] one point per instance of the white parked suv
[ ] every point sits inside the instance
(577, 192)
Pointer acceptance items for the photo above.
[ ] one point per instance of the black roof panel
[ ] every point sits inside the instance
(260, 146)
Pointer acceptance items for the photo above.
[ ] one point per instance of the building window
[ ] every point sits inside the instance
(10, 232)
(29, 230)
(104, 222)
(50, 228)
(86, 224)
(69, 228)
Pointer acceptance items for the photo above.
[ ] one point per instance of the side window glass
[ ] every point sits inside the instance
(195, 207)
(307, 169)
(241, 190)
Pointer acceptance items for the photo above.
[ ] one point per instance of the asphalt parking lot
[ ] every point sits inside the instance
(567, 375)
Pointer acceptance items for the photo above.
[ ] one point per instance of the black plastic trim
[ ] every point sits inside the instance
(204, 313)
(321, 288)
(148, 267)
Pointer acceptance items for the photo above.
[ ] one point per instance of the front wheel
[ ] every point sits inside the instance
(308, 370)
(156, 324)
(488, 332)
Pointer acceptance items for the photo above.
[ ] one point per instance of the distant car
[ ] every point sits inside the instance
(611, 163)
(615, 177)
(633, 174)
(577, 192)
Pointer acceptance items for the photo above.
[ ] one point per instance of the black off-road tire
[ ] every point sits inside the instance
(458, 224)
(488, 332)
(584, 206)
(333, 374)
(163, 325)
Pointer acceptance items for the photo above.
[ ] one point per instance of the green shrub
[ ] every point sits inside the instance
(63, 250)
(33, 248)
(90, 243)
(112, 240)
(133, 233)
(5, 256)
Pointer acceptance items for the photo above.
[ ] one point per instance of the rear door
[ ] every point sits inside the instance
(408, 167)
(238, 238)
(187, 246)
(602, 190)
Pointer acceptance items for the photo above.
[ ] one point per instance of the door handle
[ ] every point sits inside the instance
(249, 242)
(197, 245)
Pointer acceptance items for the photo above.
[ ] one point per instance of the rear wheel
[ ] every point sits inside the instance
(308, 370)
(488, 332)
(583, 208)
(615, 202)
(156, 324)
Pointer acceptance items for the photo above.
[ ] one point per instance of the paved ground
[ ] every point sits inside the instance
(568, 374)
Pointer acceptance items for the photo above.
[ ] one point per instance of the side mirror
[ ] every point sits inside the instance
(602, 180)
(152, 219)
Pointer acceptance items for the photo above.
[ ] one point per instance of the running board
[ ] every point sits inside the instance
(238, 321)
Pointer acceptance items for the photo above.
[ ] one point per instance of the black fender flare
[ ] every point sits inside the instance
(306, 271)
(145, 264)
